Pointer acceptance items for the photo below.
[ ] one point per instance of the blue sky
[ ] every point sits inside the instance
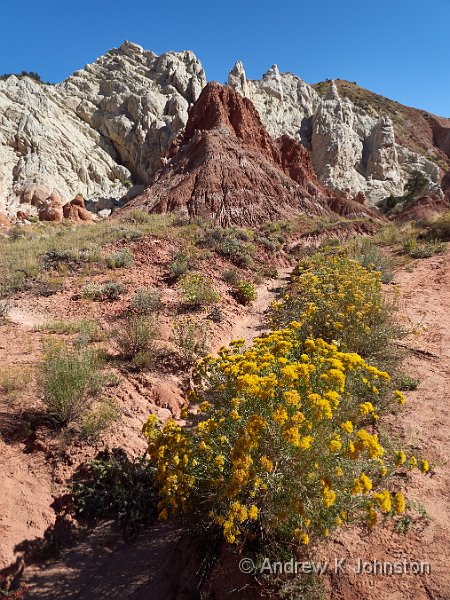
(398, 48)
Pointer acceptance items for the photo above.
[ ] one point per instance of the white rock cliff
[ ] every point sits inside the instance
(104, 127)
(351, 150)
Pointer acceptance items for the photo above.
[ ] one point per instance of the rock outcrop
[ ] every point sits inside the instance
(351, 150)
(227, 167)
(104, 127)
(76, 211)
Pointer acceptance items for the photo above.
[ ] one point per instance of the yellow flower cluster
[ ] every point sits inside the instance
(278, 437)
(336, 298)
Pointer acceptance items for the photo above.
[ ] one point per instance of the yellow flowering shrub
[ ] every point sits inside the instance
(281, 442)
(337, 299)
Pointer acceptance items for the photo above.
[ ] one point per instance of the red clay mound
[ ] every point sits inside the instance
(227, 167)
(424, 208)
(76, 212)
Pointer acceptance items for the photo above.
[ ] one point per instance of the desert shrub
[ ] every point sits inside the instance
(120, 259)
(394, 235)
(197, 290)
(232, 243)
(406, 382)
(245, 292)
(99, 418)
(192, 339)
(268, 243)
(14, 380)
(4, 310)
(426, 249)
(135, 340)
(180, 265)
(370, 256)
(87, 329)
(100, 292)
(231, 276)
(216, 315)
(138, 216)
(70, 380)
(410, 245)
(335, 298)
(146, 301)
(440, 228)
(268, 272)
(57, 258)
(281, 449)
(115, 486)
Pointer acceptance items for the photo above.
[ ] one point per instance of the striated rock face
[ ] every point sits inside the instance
(227, 167)
(351, 150)
(106, 125)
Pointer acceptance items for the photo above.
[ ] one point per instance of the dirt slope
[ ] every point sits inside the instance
(424, 425)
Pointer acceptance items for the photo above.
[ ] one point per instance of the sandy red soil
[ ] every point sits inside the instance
(102, 562)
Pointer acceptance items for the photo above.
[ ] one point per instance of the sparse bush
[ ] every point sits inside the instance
(370, 256)
(58, 258)
(427, 249)
(192, 339)
(14, 380)
(268, 272)
(99, 292)
(232, 243)
(4, 310)
(135, 340)
(440, 229)
(245, 292)
(118, 487)
(99, 418)
(138, 216)
(394, 235)
(406, 382)
(231, 276)
(180, 265)
(120, 259)
(410, 245)
(70, 381)
(216, 315)
(88, 330)
(146, 301)
(48, 285)
(197, 290)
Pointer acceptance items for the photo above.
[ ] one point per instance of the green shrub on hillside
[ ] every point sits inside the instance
(115, 486)
(70, 381)
(135, 340)
(120, 259)
(197, 290)
(146, 301)
(245, 292)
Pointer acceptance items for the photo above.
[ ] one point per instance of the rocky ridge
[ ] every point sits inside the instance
(105, 131)
(351, 149)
